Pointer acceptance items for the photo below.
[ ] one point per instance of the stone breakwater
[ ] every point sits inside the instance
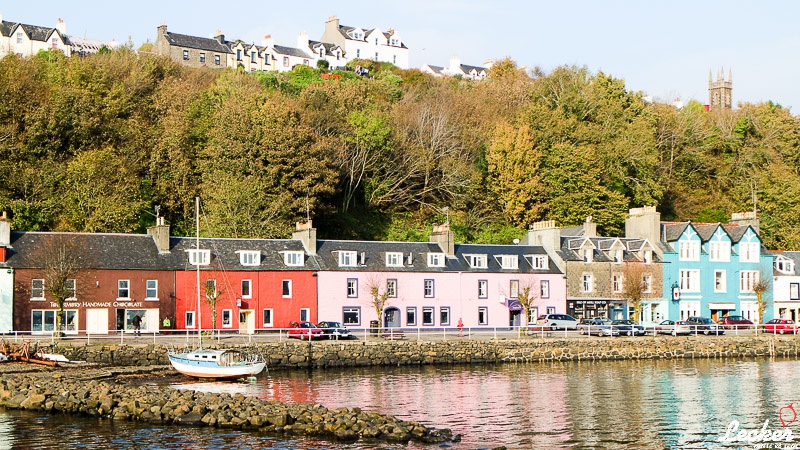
(104, 393)
(325, 354)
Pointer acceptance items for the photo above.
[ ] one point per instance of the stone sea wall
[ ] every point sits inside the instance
(322, 354)
(105, 393)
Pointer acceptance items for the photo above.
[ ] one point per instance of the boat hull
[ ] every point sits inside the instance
(185, 364)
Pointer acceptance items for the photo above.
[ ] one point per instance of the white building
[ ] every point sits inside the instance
(27, 40)
(457, 69)
(786, 285)
(363, 43)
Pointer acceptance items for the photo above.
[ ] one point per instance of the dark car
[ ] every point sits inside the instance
(780, 326)
(597, 325)
(738, 322)
(334, 330)
(704, 325)
(628, 327)
(305, 330)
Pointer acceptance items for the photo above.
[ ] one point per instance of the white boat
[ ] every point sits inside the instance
(227, 363)
(221, 364)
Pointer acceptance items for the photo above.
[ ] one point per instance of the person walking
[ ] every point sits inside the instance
(460, 327)
(137, 325)
(166, 324)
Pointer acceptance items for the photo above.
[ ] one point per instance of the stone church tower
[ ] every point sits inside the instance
(719, 92)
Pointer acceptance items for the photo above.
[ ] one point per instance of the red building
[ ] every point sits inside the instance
(254, 284)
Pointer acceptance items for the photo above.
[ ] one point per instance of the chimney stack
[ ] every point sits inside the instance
(644, 223)
(589, 227)
(162, 29)
(443, 236)
(61, 27)
(306, 234)
(5, 230)
(267, 42)
(302, 41)
(219, 36)
(747, 218)
(160, 233)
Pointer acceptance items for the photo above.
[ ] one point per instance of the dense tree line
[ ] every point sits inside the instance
(94, 144)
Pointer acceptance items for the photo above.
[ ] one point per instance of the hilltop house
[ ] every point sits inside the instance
(193, 51)
(363, 43)
(27, 40)
(461, 70)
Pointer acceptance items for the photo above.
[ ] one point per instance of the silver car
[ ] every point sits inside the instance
(597, 326)
(673, 327)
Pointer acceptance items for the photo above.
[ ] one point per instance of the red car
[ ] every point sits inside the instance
(305, 330)
(780, 326)
(739, 322)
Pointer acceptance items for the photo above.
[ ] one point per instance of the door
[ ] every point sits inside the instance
(97, 321)
(514, 318)
(391, 318)
(247, 321)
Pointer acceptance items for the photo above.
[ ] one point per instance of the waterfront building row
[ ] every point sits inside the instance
(684, 269)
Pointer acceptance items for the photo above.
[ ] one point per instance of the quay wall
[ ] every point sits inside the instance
(324, 354)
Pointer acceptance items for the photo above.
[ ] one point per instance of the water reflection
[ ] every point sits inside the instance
(633, 404)
(636, 404)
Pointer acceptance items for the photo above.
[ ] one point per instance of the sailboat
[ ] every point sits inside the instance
(208, 363)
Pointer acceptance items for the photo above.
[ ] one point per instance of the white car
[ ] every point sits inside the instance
(557, 321)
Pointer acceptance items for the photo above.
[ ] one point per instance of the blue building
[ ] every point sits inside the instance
(709, 269)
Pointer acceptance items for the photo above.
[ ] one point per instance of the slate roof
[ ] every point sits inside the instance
(570, 245)
(327, 45)
(794, 256)
(96, 250)
(200, 43)
(374, 255)
(291, 51)
(110, 251)
(495, 250)
(673, 230)
(436, 69)
(468, 69)
(34, 32)
(735, 231)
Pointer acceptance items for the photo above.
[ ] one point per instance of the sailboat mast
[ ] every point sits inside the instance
(197, 260)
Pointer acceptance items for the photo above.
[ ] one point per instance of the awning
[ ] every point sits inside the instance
(730, 306)
(515, 305)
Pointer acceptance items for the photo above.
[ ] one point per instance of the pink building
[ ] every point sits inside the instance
(434, 284)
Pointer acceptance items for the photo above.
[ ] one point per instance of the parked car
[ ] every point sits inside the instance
(557, 321)
(704, 325)
(597, 326)
(334, 330)
(735, 322)
(628, 327)
(780, 326)
(673, 327)
(305, 330)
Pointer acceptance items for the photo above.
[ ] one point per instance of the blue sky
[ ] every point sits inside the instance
(664, 48)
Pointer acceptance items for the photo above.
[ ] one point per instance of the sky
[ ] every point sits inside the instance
(664, 48)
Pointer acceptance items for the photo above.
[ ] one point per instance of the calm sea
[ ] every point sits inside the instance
(622, 404)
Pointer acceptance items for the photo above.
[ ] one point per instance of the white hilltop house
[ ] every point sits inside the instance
(27, 40)
(457, 69)
(367, 43)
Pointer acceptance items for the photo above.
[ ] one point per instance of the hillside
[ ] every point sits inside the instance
(94, 144)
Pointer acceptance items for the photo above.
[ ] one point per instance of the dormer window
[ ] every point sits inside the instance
(293, 259)
(508, 261)
(539, 261)
(477, 261)
(784, 265)
(587, 255)
(719, 251)
(394, 259)
(249, 257)
(199, 257)
(618, 256)
(435, 259)
(648, 256)
(347, 258)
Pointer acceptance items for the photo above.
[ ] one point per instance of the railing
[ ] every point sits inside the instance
(264, 335)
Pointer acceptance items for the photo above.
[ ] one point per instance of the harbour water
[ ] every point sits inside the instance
(616, 404)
